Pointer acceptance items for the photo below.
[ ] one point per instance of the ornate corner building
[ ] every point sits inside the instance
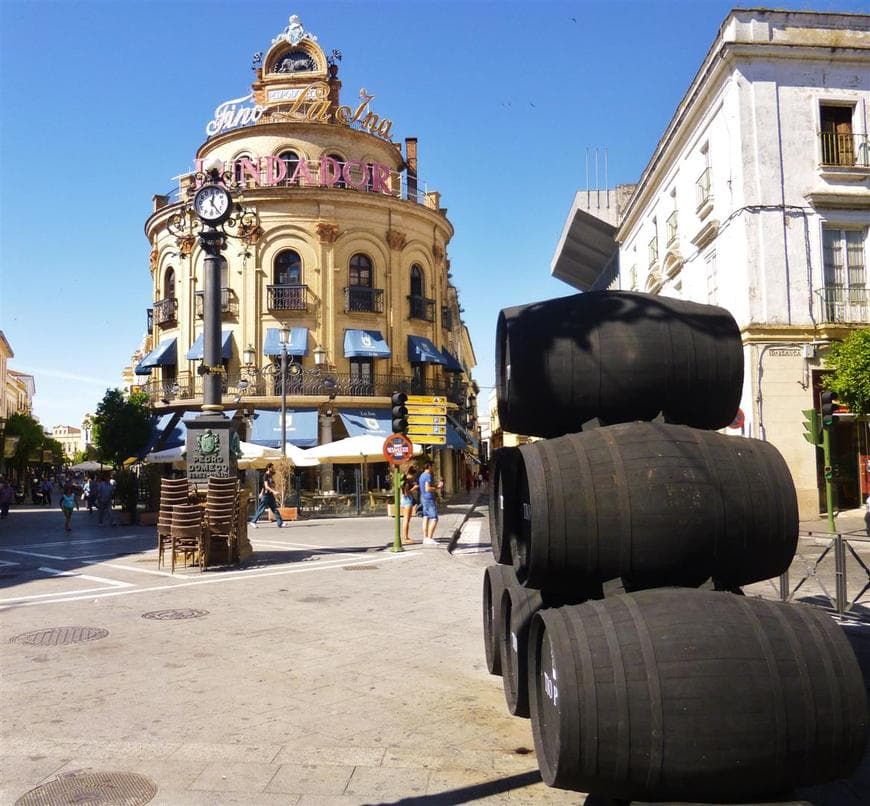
(343, 246)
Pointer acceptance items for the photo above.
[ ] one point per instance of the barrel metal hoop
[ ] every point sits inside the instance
(587, 709)
(654, 688)
(623, 494)
(808, 718)
(809, 616)
(620, 693)
(590, 506)
(712, 466)
(779, 710)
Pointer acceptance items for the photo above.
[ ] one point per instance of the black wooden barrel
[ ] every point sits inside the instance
(618, 356)
(685, 695)
(518, 605)
(495, 579)
(655, 503)
(502, 523)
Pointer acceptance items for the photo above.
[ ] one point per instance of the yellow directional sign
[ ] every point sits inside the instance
(420, 409)
(427, 429)
(427, 419)
(427, 400)
(419, 439)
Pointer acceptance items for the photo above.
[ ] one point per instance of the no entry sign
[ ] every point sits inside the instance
(397, 448)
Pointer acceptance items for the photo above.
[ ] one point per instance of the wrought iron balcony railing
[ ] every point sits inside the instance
(845, 150)
(421, 308)
(362, 299)
(149, 320)
(672, 228)
(845, 305)
(287, 297)
(229, 303)
(653, 250)
(166, 312)
(446, 318)
(251, 383)
(704, 188)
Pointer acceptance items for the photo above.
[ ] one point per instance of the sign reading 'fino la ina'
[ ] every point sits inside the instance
(309, 104)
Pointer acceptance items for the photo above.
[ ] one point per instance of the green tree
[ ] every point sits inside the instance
(30, 440)
(58, 456)
(121, 425)
(849, 361)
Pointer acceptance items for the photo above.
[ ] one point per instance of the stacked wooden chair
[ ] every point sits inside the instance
(188, 534)
(222, 516)
(173, 492)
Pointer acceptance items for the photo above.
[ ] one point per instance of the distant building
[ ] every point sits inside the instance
(70, 439)
(757, 198)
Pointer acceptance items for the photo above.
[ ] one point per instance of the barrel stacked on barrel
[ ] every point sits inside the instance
(615, 613)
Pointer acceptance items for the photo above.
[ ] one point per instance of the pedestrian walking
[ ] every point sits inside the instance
(407, 489)
(46, 487)
(67, 505)
(104, 498)
(428, 489)
(266, 499)
(7, 494)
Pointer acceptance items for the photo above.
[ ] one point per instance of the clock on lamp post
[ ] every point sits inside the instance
(213, 204)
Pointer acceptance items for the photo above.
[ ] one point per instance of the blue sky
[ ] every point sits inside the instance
(104, 102)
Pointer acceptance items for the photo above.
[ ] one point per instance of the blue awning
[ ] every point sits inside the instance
(301, 428)
(159, 424)
(195, 352)
(422, 351)
(298, 344)
(454, 440)
(464, 434)
(164, 354)
(174, 436)
(365, 344)
(373, 422)
(452, 364)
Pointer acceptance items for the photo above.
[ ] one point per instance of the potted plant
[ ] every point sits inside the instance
(127, 494)
(287, 504)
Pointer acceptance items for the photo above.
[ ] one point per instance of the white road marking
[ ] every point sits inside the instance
(8, 562)
(252, 573)
(35, 554)
(129, 568)
(61, 573)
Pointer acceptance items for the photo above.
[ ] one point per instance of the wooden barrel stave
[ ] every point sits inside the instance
(619, 356)
(495, 579)
(693, 695)
(502, 522)
(658, 504)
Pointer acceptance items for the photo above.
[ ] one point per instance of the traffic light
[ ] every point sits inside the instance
(811, 426)
(399, 413)
(829, 407)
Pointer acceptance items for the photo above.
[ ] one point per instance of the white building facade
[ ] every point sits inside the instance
(757, 198)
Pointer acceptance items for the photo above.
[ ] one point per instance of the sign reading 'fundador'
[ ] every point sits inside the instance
(270, 171)
(309, 104)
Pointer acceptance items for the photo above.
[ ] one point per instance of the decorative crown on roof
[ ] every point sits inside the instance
(294, 33)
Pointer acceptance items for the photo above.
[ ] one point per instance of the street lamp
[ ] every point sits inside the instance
(284, 338)
(248, 355)
(319, 356)
(2, 442)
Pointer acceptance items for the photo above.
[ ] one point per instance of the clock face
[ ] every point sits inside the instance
(212, 203)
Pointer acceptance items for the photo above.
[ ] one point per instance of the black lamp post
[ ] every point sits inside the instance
(284, 338)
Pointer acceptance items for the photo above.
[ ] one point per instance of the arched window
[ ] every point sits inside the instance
(340, 160)
(360, 271)
(360, 295)
(169, 283)
(419, 306)
(246, 169)
(287, 268)
(416, 281)
(291, 161)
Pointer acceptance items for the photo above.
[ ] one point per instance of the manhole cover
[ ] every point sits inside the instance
(60, 636)
(96, 788)
(172, 615)
(360, 568)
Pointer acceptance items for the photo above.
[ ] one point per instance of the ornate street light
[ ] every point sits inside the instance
(284, 338)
